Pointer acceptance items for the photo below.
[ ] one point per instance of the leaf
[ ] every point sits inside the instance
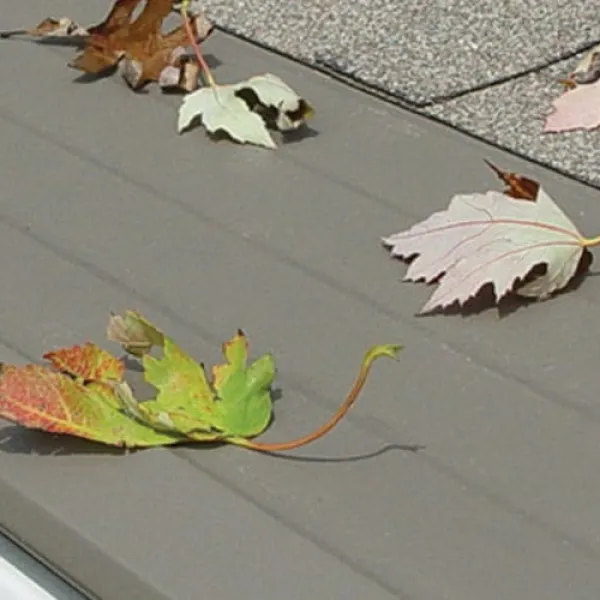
(246, 110)
(491, 238)
(587, 70)
(51, 28)
(155, 416)
(244, 392)
(140, 42)
(236, 403)
(184, 393)
(88, 397)
(278, 104)
(39, 398)
(134, 333)
(181, 74)
(145, 51)
(88, 363)
(578, 108)
(221, 110)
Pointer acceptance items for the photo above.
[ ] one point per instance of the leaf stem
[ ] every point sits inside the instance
(194, 44)
(371, 355)
(589, 242)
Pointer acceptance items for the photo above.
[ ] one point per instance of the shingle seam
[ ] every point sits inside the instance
(399, 99)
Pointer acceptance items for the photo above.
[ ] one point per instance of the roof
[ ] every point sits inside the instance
(104, 207)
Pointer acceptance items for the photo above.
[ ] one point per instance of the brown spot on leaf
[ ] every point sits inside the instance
(518, 187)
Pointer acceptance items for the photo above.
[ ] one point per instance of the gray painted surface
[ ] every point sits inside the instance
(104, 207)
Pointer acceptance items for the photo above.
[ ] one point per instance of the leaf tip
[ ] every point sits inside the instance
(493, 167)
(383, 350)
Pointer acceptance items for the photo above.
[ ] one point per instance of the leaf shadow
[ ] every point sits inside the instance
(66, 42)
(87, 78)
(414, 448)
(15, 439)
(297, 135)
(485, 298)
(22, 37)
(212, 61)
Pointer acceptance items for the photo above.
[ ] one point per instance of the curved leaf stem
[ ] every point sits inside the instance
(371, 355)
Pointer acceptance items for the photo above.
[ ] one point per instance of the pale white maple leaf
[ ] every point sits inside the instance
(578, 108)
(490, 238)
(245, 110)
(272, 91)
(221, 110)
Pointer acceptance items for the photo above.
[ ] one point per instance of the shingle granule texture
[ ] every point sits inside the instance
(420, 50)
(512, 115)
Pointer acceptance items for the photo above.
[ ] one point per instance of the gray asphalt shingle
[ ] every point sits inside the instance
(417, 50)
(512, 115)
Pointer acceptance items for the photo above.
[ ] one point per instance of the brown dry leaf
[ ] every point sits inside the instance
(119, 15)
(140, 44)
(51, 28)
(182, 74)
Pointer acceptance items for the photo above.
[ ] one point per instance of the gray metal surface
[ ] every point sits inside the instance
(104, 207)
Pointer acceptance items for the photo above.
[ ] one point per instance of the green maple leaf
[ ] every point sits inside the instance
(236, 403)
(244, 392)
(234, 406)
(84, 395)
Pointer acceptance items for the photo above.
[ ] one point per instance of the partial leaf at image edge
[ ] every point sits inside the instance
(39, 398)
